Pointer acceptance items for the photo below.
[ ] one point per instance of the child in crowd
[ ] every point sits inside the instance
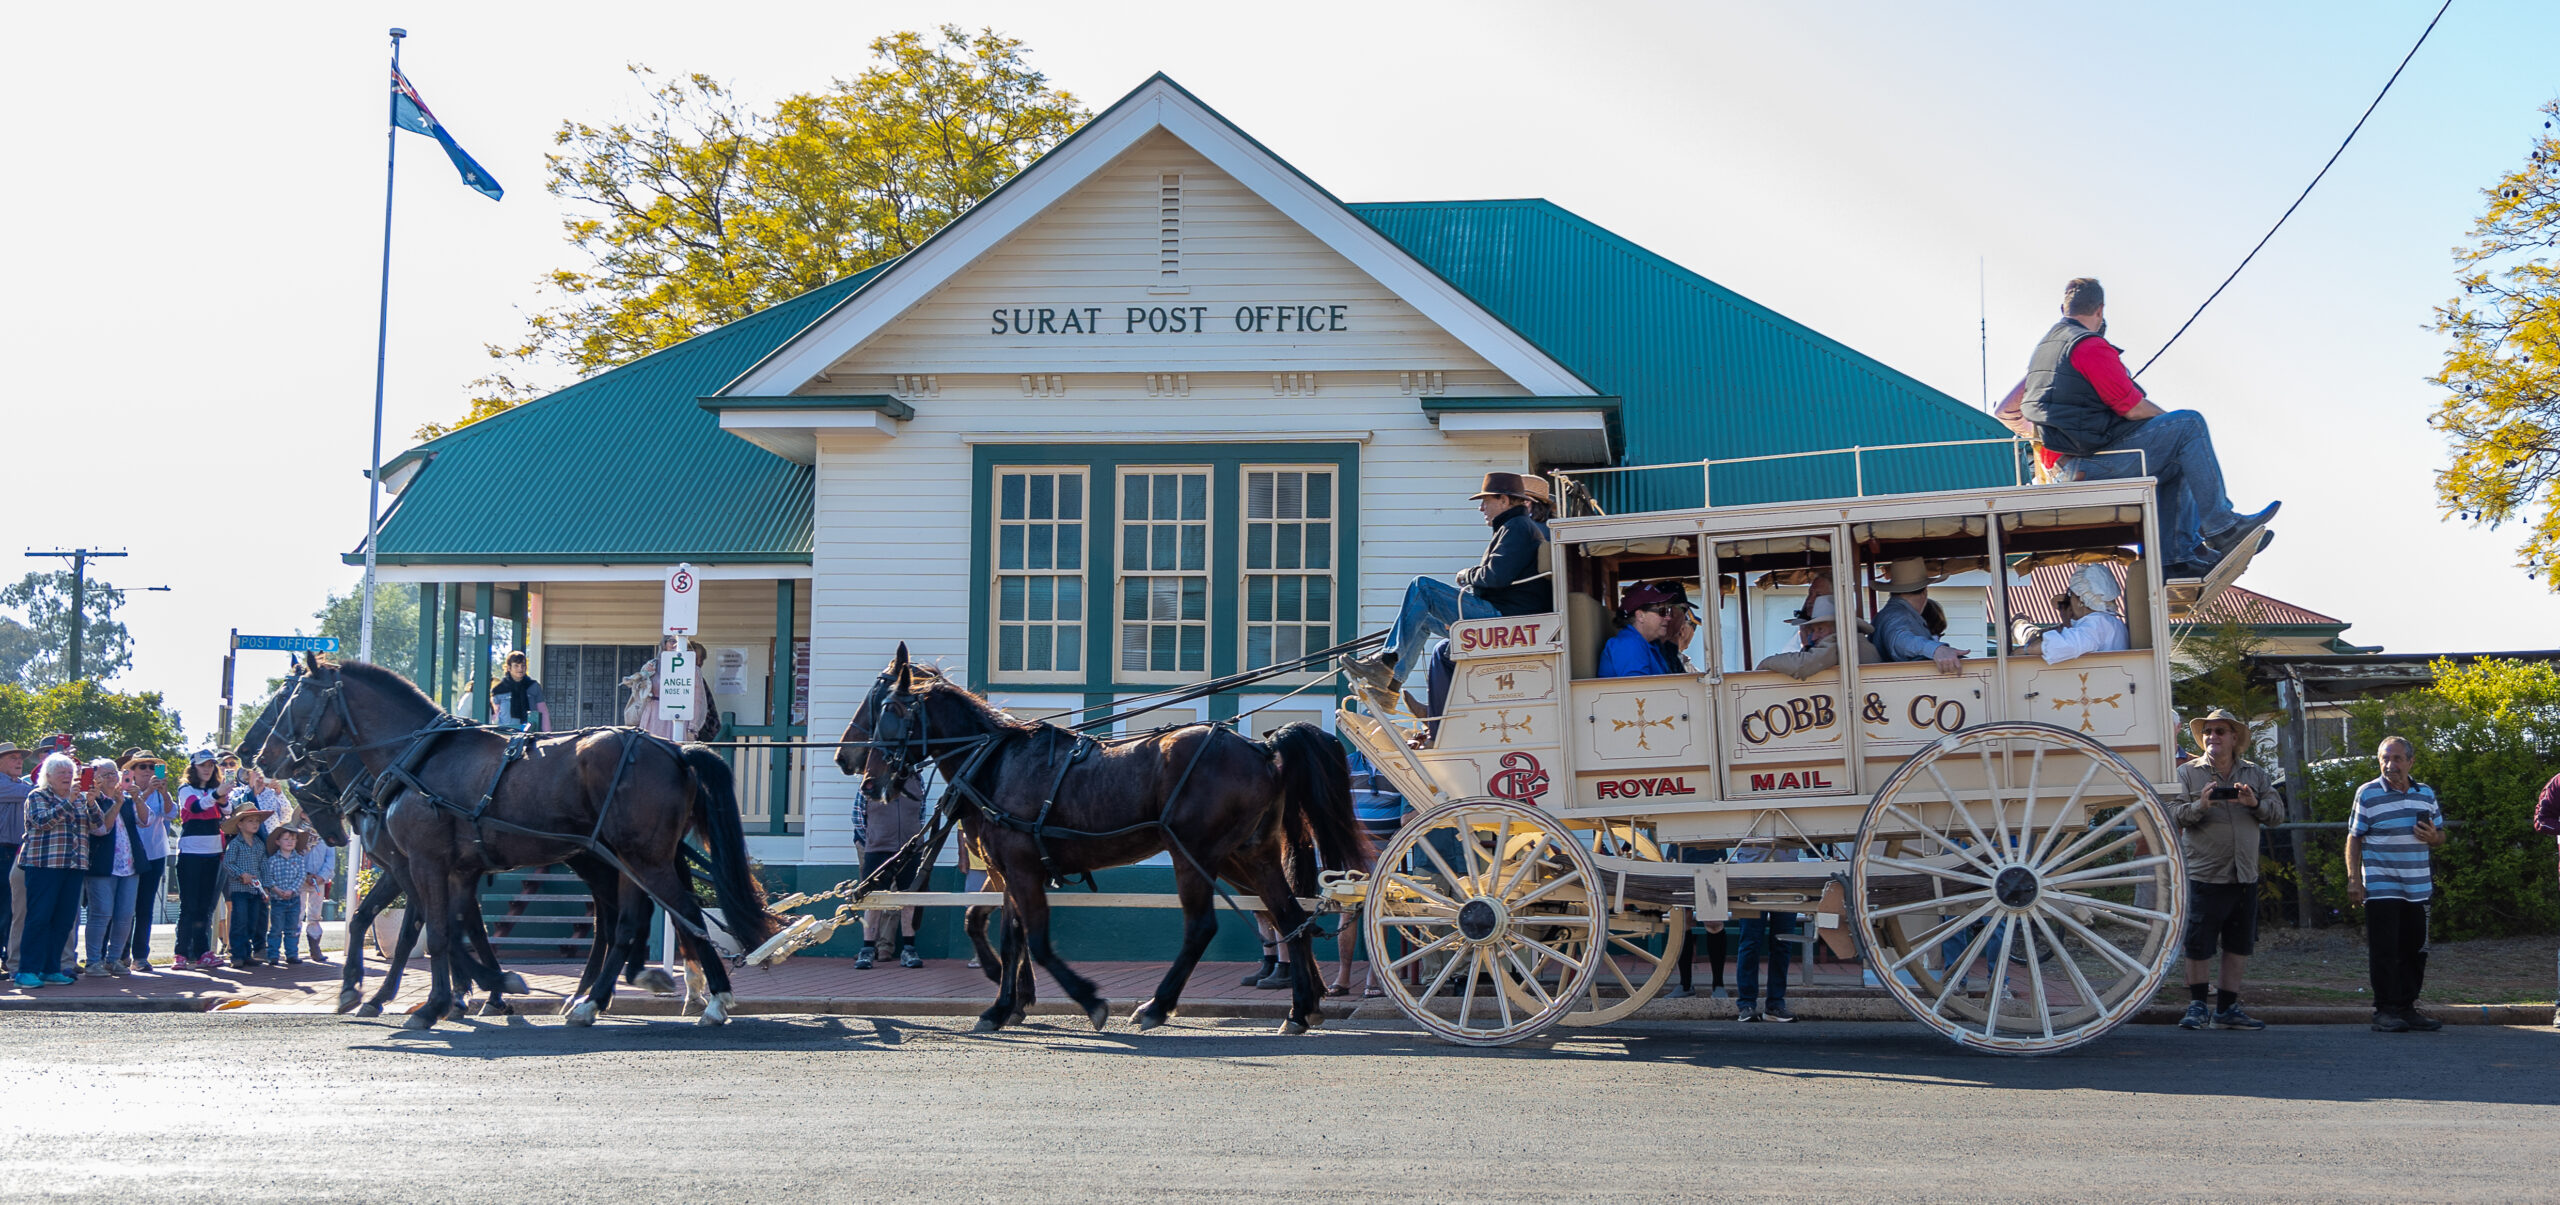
(243, 875)
(282, 878)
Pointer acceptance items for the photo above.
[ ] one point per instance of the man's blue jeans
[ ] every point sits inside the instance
(2178, 450)
(1759, 935)
(1430, 606)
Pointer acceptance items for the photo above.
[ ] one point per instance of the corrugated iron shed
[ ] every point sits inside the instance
(2032, 598)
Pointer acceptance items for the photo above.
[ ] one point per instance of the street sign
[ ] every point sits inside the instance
(683, 612)
(289, 644)
(677, 675)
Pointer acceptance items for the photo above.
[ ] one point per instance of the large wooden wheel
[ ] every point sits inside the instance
(1993, 887)
(1479, 913)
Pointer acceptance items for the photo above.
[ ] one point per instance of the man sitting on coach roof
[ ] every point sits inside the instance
(1902, 633)
(2085, 407)
(1508, 581)
(1648, 613)
(2089, 619)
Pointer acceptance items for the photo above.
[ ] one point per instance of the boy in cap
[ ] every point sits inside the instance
(1509, 581)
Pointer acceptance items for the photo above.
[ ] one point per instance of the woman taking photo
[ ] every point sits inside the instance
(199, 861)
(115, 858)
(55, 859)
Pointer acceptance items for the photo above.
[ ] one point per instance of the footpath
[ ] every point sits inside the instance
(1836, 992)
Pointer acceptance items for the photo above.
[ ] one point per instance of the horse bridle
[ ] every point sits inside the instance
(299, 747)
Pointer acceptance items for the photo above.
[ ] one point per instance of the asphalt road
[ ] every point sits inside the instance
(243, 1106)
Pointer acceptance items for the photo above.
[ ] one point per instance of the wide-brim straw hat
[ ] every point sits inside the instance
(1905, 575)
(248, 818)
(1820, 609)
(137, 757)
(2196, 726)
(9, 747)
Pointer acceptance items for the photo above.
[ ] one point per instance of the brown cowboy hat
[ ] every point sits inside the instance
(9, 747)
(2219, 715)
(1904, 575)
(137, 757)
(248, 818)
(1512, 485)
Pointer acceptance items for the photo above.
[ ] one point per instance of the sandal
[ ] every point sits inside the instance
(1337, 989)
(1372, 992)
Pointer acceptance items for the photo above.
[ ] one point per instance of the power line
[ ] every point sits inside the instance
(2306, 190)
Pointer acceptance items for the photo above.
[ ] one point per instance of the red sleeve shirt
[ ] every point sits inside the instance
(2103, 366)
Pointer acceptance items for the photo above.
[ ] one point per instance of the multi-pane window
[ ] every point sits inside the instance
(1040, 571)
(1288, 564)
(1164, 571)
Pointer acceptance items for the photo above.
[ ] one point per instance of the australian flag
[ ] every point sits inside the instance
(411, 114)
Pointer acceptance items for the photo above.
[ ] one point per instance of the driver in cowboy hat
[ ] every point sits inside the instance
(2089, 622)
(1902, 632)
(1511, 580)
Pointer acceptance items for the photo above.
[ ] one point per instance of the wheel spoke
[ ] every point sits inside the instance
(2027, 806)
(1999, 992)
(2079, 853)
(1932, 902)
(1501, 998)
(1442, 943)
(1930, 940)
(1529, 980)
(1530, 858)
(1471, 852)
(1414, 886)
(1467, 995)
(2104, 947)
(2091, 901)
(1409, 921)
(1569, 876)
(1999, 802)
(2122, 841)
(1441, 978)
(2035, 976)
(2079, 982)
(1957, 806)
(1925, 868)
(1561, 958)
(1458, 882)
(1945, 842)
(2078, 876)
(2053, 831)
(1956, 974)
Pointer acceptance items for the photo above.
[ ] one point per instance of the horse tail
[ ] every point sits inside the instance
(733, 881)
(1315, 780)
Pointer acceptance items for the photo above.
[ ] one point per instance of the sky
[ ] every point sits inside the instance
(198, 221)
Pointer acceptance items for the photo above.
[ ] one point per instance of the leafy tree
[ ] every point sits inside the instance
(102, 722)
(704, 210)
(2211, 669)
(18, 646)
(2503, 368)
(395, 639)
(106, 649)
(2487, 737)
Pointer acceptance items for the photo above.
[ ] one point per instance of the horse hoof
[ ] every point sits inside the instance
(495, 1007)
(1018, 1017)
(655, 980)
(582, 1013)
(1101, 1016)
(1292, 1028)
(1146, 1018)
(715, 1011)
(458, 1012)
(1315, 1019)
(421, 1019)
(984, 1025)
(349, 998)
(369, 1010)
(514, 984)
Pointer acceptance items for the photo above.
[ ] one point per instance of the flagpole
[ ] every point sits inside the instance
(381, 354)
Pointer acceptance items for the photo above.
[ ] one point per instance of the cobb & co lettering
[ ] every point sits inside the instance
(1791, 780)
(1644, 788)
(1810, 713)
(1508, 636)
(1314, 318)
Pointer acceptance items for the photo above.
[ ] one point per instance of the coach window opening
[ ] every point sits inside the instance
(2041, 548)
(1598, 574)
(1950, 549)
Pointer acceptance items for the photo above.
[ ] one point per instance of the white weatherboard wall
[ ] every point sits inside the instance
(894, 513)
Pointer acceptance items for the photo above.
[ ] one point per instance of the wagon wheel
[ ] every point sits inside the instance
(1465, 895)
(2009, 854)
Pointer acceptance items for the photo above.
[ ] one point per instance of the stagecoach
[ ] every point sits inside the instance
(1991, 842)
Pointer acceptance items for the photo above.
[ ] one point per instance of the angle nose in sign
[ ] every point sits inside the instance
(683, 611)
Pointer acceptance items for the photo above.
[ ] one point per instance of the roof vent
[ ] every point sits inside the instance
(1169, 235)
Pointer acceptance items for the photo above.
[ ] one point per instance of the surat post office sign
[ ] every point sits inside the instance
(1287, 318)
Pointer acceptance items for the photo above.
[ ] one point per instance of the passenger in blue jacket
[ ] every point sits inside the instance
(1509, 581)
(1648, 613)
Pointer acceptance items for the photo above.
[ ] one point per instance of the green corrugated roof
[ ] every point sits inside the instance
(581, 475)
(1705, 373)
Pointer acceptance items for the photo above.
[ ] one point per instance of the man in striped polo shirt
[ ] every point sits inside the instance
(2395, 823)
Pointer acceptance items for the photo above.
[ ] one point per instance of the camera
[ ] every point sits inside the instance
(2223, 793)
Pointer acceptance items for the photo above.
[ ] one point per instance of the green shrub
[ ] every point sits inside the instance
(2487, 738)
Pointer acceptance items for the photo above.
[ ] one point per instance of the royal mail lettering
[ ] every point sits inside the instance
(1791, 780)
(1809, 714)
(1511, 636)
(1644, 788)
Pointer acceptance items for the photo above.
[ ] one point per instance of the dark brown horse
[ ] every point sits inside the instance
(1044, 802)
(475, 802)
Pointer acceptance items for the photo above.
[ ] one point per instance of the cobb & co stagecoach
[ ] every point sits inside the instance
(1991, 840)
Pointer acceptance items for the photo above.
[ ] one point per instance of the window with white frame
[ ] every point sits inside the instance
(1039, 579)
(1164, 572)
(1289, 584)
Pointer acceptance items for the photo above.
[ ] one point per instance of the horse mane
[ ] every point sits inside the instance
(976, 704)
(385, 680)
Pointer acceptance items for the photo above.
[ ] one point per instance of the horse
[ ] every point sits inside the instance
(1044, 802)
(475, 801)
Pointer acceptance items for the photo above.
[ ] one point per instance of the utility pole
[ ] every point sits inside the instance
(79, 599)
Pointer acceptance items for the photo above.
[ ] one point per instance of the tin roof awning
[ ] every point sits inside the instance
(788, 427)
(1561, 430)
